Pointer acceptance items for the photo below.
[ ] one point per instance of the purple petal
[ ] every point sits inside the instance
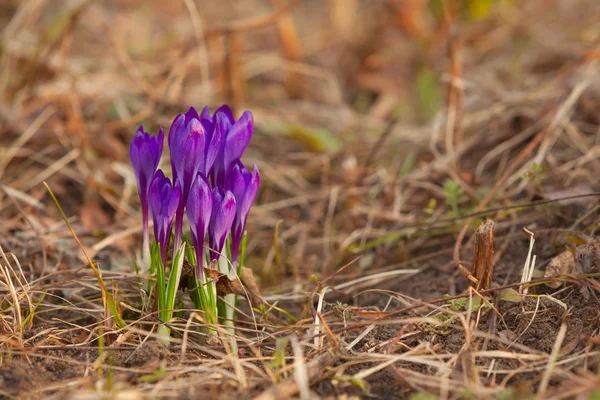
(244, 186)
(205, 113)
(238, 138)
(250, 193)
(235, 182)
(226, 111)
(174, 201)
(199, 209)
(221, 221)
(163, 199)
(154, 197)
(145, 152)
(191, 114)
(177, 130)
(212, 144)
(186, 156)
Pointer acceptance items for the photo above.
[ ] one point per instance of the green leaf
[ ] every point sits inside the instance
(409, 162)
(429, 92)
(454, 195)
(174, 278)
(458, 304)
(156, 260)
(32, 310)
(510, 295)
(315, 139)
(595, 395)
(157, 374)
(356, 381)
(278, 360)
(479, 9)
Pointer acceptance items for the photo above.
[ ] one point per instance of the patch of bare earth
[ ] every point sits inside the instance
(386, 132)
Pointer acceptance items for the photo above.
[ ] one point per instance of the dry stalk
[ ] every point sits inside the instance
(483, 255)
(529, 265)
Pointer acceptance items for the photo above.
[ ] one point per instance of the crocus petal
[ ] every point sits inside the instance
(251, 190)
(238, 138)
(163, 199)
(191, 114)
(213, 146)
(145, 152)
(235, 182)
(187, 154)
(244, 186)
(177, 130)
(224, 210)
(174, 201)
(199, 204)
(222, 125)
(205, 113)
(226, 111)
(199, 210)
(235, 136)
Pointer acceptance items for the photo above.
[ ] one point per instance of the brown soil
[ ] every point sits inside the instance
(365, 150)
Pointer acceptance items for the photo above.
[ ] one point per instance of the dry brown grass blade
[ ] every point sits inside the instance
(17, 326)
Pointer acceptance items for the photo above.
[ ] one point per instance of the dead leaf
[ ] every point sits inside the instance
(246, 287)
(562, 264)
(224, 284)
(587, 258)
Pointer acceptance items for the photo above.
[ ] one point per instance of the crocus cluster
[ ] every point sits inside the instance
(210, 184)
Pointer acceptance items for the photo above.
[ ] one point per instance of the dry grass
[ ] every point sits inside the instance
(386, 132)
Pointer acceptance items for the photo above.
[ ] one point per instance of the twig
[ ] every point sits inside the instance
(483, 255)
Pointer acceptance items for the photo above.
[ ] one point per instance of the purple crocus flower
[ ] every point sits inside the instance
(194, 146)
(244, 186)
(145, 152)
(212, 141)
(235, 136)
(223, 213)
(163, 199)
(185, 146)
(199, 209)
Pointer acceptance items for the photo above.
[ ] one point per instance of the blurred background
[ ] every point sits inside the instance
(371, 115)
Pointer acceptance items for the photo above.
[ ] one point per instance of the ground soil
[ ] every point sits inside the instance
(372, 161)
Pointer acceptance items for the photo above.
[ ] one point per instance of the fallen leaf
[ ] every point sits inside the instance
(224, 284)
(562, 264)
(246, 287)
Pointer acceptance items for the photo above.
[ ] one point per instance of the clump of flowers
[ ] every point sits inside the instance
(212, 188)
